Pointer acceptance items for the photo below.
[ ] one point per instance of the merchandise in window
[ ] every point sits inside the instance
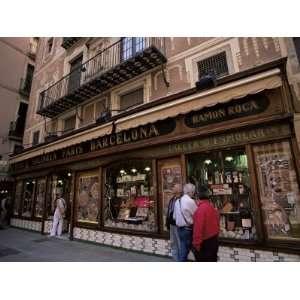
(40, 196)
(129, 196)
(226, 173)
(28, 197)
(88, 197)
(279, 190)
(18, 197)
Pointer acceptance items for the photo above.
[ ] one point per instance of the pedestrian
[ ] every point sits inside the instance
(183, 215)
(206, 228)
(58, 217)
(171, 223)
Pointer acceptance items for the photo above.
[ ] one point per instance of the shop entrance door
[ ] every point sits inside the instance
(169, 174)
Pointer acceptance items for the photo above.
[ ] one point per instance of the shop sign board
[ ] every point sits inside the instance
(250, 105)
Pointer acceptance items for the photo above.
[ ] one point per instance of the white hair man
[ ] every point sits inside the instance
(183, 214)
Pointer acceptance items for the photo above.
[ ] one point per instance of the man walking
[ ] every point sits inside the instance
(206, 229)
(58, 217)
(183, 215)
(171, 223)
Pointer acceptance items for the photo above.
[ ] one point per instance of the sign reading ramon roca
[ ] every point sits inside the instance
(250, 105)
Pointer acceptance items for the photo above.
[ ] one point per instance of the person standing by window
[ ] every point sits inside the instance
(206, 229)
(183, 214)
(58, 217)
(171, 223)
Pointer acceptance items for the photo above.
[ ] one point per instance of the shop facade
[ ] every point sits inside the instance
(237, 138)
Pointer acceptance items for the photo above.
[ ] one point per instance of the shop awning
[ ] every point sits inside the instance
(222, 94)
(240, 88)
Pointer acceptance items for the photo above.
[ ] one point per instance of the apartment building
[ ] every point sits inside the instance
(16, 72)
(114, 123)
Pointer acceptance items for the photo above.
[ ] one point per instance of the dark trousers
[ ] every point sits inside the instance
(186, 238)
(208, 251)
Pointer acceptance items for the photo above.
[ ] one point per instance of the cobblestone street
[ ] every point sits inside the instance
(25, 246)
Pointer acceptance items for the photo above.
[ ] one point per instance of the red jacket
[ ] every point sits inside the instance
(206, 223)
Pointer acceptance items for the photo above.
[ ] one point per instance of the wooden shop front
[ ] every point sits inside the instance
(241, 143)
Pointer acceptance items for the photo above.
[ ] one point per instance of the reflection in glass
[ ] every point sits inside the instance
(279, 190)
(28, 197)
(18, 197)
(40, 197)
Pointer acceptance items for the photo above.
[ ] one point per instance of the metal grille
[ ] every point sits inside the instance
(214, 65)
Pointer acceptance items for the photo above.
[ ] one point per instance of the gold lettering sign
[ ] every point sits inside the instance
(250, 105)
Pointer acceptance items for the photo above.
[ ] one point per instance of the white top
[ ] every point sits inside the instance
(60, 203)
(184, 216)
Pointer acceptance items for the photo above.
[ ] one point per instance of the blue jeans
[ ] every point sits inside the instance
(175, 242)
(186, 238)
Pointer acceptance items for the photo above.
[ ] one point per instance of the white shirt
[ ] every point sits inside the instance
(183, 213)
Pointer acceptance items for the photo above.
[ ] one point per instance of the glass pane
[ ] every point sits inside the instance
(226, 174)
(129, 199)
(18, 197)
(88, 197)
(279, 190)
(28, 196)
(140, 44)
(40, 197)
(170, 174)
(126, 48)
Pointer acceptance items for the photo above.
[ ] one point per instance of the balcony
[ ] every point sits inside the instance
(121, 61)
(69, 41)
(16, 130)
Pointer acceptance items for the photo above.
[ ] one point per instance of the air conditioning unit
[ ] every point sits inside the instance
(206, 82)
(104, 117)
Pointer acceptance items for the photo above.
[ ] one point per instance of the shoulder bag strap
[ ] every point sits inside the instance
(187, 223)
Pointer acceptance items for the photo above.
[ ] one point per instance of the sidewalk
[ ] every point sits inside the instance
(24, 246)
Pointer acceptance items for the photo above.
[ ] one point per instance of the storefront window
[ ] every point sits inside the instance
(226, 173)
(129, 196)
(18, 197)
(88, 197)
(279, 190)
(28, 197)
(40, 197)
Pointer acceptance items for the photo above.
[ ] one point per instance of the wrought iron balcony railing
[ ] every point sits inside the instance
(121, 61)
(69, 41)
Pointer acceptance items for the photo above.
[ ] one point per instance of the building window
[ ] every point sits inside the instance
(279, 190)
(132, 99)
(49, 45)
(28, 197)
(227, 175)
(26, 84)
(35, 138)
(18, 197)
(88, 114)
(69, 124)
(40, 197)
(75, 74)
(131, 46)
(87, 197)
(215, 65)
(297, 47)
(129, 196)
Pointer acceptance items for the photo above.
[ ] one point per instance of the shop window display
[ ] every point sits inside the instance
(40, 197)
(279, 190)
(18, 197)
(128, 196)
(226, 173)
(28, 197)
(88, 197)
